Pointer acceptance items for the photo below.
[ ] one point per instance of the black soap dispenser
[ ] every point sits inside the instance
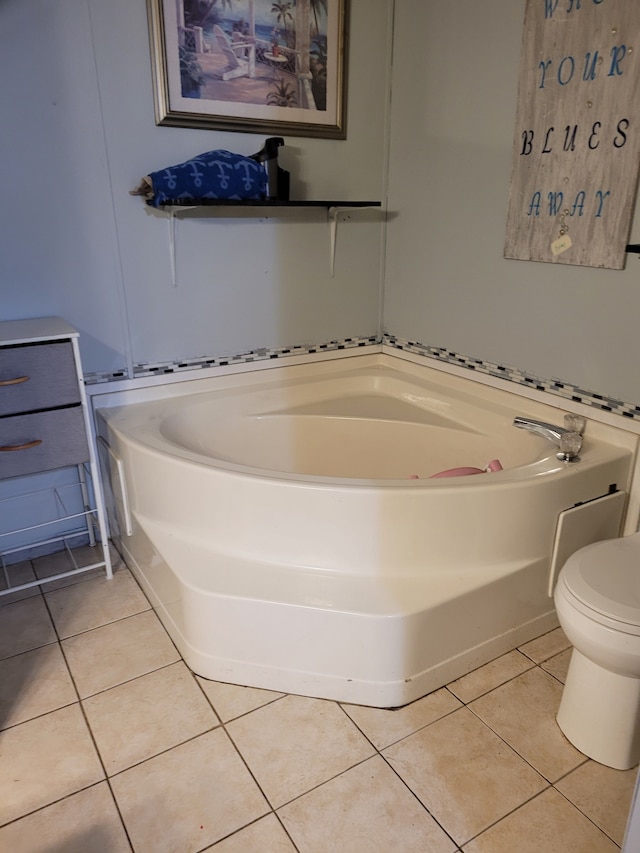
(277, 178)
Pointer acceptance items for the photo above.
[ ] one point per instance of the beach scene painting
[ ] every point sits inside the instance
(251, 65)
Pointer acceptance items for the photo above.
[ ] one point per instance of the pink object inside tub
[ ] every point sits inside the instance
(492, 466)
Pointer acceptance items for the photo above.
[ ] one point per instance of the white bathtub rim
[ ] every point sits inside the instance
(150, 441)
(146, 431)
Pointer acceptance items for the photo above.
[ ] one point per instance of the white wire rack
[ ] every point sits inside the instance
(70, 512)
(68, 519)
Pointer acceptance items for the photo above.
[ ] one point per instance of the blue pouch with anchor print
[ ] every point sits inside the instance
(212, 175)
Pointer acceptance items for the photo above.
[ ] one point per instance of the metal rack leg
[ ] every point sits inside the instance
(85, 500)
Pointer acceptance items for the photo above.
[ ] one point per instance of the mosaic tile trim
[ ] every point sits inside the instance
(499, 371)
(260, 354)
(511, 374)
(98, 378)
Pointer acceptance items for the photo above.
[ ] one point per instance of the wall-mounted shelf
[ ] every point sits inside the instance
(266, 202)
(334, 208)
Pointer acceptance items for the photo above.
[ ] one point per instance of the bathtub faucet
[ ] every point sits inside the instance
(567, 438)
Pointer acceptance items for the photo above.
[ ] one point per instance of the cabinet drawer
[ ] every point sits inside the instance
(62, 438)
(37, 376)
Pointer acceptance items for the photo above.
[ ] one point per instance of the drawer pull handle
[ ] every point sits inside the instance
(26, 446)
(17, 381)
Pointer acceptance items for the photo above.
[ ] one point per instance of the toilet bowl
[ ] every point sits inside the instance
(597, 600)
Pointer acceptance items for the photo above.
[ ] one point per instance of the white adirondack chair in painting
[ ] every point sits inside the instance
(240, 56)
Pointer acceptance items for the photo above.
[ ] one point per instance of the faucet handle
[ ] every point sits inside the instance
(575, 423)
(570, 446)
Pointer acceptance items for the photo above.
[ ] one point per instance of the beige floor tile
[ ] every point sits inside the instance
(25, 625)
(34, 683)
(118, 652)
(296, 743)
(546, 646)
(61, 561)
(189, 797)
(558, 665)
(84, 606)
(86, 822)
(489, 676)
(264, 836)
(232, 700)
(548, 823)
(44, 760)
(463, 773)
(146, 716)
(603, 794)
(365, 810)
(523, 713)
(384, 727)
(18, 573)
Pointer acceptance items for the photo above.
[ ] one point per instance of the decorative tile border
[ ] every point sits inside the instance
(261, 354)
(499, 371)
(107, 376)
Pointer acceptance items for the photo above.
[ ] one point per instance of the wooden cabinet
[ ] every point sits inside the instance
(45, 426)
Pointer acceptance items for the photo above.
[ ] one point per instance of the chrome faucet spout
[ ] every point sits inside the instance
(568, 440)
(549, 431)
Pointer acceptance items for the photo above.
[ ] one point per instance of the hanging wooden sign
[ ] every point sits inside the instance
(576, 147)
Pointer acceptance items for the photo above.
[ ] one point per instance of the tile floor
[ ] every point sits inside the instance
(109, 743)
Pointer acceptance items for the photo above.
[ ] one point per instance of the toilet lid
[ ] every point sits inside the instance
(605, 577)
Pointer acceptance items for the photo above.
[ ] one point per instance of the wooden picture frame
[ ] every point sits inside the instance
(256, 66)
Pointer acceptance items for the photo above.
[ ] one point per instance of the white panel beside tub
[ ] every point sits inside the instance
(583, 525)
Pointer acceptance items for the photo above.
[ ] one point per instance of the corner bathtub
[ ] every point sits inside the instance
(275, 520)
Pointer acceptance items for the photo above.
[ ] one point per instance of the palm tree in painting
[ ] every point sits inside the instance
(318, 68)
(318, 7)
(318, 56)
(283, 11)
(282, 94)
(196, 12)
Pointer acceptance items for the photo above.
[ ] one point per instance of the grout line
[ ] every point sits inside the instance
(106, 624)
(495, 686)
(508, 814)
(223, 725)
(603, 831)
(163, 752)
(550, 782)
(104, 769)
(272, 808)
(416, 797)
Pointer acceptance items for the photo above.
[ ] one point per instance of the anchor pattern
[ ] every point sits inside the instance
(212, 175)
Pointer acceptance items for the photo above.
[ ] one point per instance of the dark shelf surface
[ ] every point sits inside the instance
(265, 202)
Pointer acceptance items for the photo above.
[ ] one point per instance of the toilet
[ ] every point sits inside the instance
(597, 599)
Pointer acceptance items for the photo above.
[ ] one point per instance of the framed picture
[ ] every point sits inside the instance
(257, 66)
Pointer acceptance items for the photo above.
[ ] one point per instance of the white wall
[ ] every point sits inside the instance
(78, 133)
(58, 253)
(454, 90)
